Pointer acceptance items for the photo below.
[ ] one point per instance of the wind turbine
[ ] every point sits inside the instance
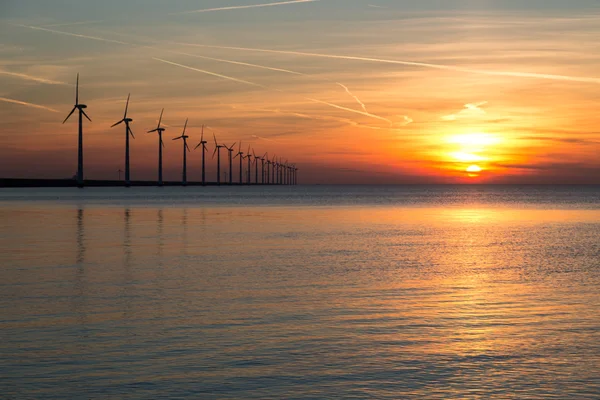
(230, 150)
(268, 174)
(262, 167)
(203, 144)
(218, 148)
(127, 133)
(185, 150)
(161, 144)
(82, 113)
(274, 163)
(240, 154)
(249, 157)
(255, 167)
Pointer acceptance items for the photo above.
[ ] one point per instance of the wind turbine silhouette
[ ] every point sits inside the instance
(262, 167)
(127, 133)
(255, 167)
(218, 148)
(230, 150)
(82, 113)
(274, 163)
(268, 172)
(249, 157)
(185, 150)
(161, 144)
(203, 144)
(240, 154)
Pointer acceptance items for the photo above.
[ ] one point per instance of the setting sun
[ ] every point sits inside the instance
(474, 169)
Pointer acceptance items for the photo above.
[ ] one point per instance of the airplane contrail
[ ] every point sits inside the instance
(514, 74)
(212, 73)
(23, 103)
(239, 63)
(281, 3)
(72, 23)
(353, 95)
(277, 90)
(73, 34)
(32, 78)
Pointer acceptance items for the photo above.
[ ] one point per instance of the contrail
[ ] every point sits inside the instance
(32, 78)
(277, 90)
(72, 23)
(212, 73)
(23, 103)
(532, 75)
(353, 95)
(281, 3)
(73, 34)
(287, 71)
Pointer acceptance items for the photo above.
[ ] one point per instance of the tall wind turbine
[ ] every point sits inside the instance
(274, 163)
(240, 154)
(262, 167)
(268, 172)
(161, 144)
(127, 133)
(249, 157)
(185, 150)
(230, 150)
(82, 113)
(218, 148)
(255, 167)
(203, 144)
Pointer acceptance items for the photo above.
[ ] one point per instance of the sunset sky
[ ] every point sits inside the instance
(351, 91)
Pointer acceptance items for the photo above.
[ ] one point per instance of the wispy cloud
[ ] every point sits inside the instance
(277, 90)
(354, 96)
(469, 109)
(514, 74)
(32, 78)
(73, 24)
(281, 3)
(39, 28)
(24, 103)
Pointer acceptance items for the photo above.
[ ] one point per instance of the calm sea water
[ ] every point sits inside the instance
(300, 292)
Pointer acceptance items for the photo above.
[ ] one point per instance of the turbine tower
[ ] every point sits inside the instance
(127, 133)
(240, 154)
(82, 113)
(203, 144)
(274, 163)
(268, 173)
(161, 144)
(230, 150)
(255, 167)
(218, 148)
(185, 150)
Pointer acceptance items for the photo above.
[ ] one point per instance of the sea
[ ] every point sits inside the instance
(300, 292)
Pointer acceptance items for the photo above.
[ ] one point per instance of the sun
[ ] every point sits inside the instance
(474, 169)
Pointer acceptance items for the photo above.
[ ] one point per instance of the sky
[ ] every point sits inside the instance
(350, 91)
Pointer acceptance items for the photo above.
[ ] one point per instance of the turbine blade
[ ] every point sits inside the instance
(85, 115)
(118, 123)
(77, 90)
(178, 137)
(153, 130)
(187, 147)
(184, 127)
(127, 106)
(162, 143)
(130, 131)
(71, 113)
(240, 147)
(215, 138)
(215, 152)
(199, 144)
(160, 119)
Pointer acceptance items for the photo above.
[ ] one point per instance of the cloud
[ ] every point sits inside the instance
(354, 96)
(24, 103)
(281, 3)
(37, 28)
(514, 74)
(469, 109)
(32, 78)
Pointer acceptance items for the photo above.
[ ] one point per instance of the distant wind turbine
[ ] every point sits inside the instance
(255, 167)
(262, 167)
(185, 151)
(240, 154)
(82, 113)
(203, 144)
(268, 172)
(218, 148)
(128, 132)
(230, 150)
(249, 157)
(274, 163)
(161, 144)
